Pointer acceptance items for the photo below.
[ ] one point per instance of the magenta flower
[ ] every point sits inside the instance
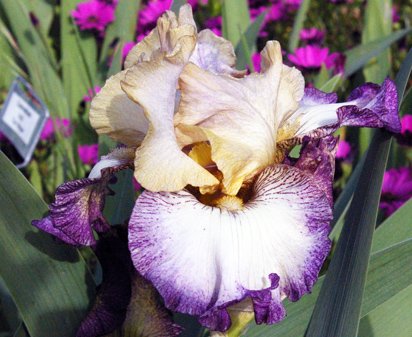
(93, 15)
(312, 34)
(127, 48)
(292, 4)
(313, 56)
(91, 93)
(396, 189)
(405, 137)
(310, 56)
(406, 123)
(336, 61)
(88, 154)
(344, 150)
(395, 14)
(256, 61)
(61, 125)
(215, 25)
(154, 8)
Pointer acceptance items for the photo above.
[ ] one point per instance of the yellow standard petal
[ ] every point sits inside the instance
(160, 165)
(237, 116)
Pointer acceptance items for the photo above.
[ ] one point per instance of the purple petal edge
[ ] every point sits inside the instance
(376, 106)
(77, 210)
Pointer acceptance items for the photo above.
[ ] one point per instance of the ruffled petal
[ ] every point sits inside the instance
(215, 54)
(203, 259)
(114, 114)
(237, 116)
(160, 165)
(151, 46)
(77, 209)
(370, 105)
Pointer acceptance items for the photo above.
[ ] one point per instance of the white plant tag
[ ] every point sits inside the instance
(22, 119)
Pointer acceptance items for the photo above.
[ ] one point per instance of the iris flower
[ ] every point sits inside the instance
(227, 220)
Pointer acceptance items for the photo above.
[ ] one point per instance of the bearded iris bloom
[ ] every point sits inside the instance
(228, 221)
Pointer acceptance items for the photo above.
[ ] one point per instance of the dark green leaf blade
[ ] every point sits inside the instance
(298, 25)
(386, 271)
(249, 37)
(49, 282)
(358, 56)
(235, 19)
(337, 310)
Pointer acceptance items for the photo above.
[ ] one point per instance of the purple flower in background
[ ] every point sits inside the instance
(154, 8)
(396, 189)
(312, 34)
(215, 25)
(395, 14)
(88, 154)
(344, 150)
(292, 4)
(93, 15)
(313, 56)
(112, 3)
(91, 93)
(127, 48)
(256, 61)
(336, 61)
(310, 56)
(61, 125)
(405, 137)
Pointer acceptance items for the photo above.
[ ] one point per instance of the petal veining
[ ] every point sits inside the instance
(237, 116)
(272, 248)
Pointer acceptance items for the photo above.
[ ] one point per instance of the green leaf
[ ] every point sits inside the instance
(382, 285)
(298, 25)
(358, 56)
(247, 46)
(49, 282)
(79, 57)
(322, 77)
(393, 318)
(333, 83)
(394, 229)
(235, 19)
(378, 24)
(38, 60)
(176, 5)
(122, 30)
(119, 206)
(403, 75)
(386, 273)
(337, 310)
(343, 202)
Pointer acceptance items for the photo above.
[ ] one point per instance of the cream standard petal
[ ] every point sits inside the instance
(114, 114)
(150, 46)
(160, 165)
(237, 116)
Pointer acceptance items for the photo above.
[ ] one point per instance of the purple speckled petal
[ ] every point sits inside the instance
(76, 210)
(318, 158)
(273, 248)
(319, 115)
(78, 205)
(375, 107)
